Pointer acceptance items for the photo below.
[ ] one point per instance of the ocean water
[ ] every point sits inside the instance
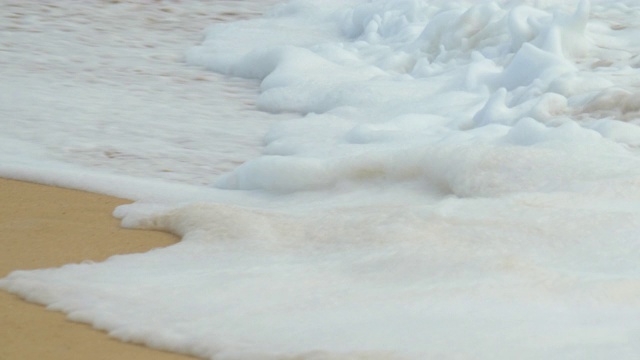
(351, 179)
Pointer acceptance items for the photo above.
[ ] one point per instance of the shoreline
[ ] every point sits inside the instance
(45, 226)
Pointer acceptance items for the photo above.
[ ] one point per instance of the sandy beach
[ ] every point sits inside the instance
(46, 226)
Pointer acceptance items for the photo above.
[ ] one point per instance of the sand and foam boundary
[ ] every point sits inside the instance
(44, 226)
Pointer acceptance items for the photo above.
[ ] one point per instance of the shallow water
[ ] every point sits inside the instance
(104, 85)
(444, 179)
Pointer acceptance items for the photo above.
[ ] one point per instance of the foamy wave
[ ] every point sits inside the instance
(461, 181)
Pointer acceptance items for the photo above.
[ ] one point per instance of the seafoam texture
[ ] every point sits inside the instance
(461, 181)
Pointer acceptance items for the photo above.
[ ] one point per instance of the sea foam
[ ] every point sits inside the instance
(460, 181)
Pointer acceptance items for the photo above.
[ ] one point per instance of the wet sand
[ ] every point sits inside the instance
(44, 226)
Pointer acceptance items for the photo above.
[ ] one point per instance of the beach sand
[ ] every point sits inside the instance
(44, 226)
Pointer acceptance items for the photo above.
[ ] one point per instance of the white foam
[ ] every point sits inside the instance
(458, 180)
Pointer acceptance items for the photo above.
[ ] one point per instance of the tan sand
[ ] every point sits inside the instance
(45, 226)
